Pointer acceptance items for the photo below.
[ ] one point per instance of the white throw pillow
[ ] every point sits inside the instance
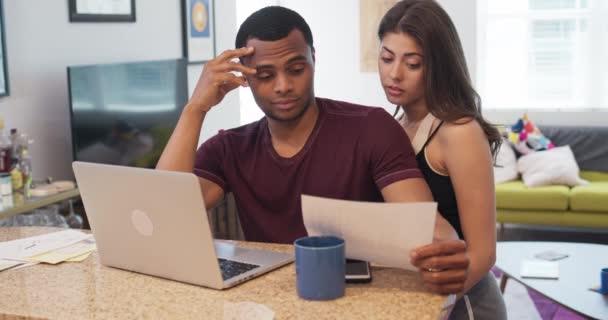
(555, 166)
(505, 168)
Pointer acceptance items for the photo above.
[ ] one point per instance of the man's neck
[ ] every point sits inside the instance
(288, 138)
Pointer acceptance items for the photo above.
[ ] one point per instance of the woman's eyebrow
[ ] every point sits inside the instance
(407, 54)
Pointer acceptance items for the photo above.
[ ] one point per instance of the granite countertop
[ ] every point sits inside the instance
(88, 290)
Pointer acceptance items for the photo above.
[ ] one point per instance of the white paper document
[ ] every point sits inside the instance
(534, 268)
(21, 249)
(9, 264)
(66, 253)
(378, 232)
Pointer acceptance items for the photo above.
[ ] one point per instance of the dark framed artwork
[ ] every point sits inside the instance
(102, 10)
(198, 21)
(3, 64)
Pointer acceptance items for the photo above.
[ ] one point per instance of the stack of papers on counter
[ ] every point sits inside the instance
(52, 248)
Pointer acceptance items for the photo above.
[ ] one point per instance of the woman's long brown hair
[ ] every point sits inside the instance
(449, 93)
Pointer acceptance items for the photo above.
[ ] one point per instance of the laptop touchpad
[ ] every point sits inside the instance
(225, 250)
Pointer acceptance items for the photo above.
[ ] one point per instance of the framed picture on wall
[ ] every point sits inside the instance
(370, 14)
(198, 30)
(3, 64)
(102, 10)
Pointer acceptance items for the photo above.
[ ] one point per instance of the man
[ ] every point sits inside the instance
(304, 145)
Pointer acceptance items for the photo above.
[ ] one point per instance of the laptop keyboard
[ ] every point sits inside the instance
(232, 269)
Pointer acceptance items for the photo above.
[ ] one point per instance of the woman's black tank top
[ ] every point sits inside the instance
(441, 187)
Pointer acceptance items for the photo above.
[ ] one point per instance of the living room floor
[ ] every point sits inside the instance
(517, 299)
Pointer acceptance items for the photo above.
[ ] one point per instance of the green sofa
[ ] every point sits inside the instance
(559, 205)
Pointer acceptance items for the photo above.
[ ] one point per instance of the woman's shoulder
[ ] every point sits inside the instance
(461, 130)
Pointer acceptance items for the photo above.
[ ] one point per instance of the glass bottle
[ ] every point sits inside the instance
(25, 164)
(21, 172)
(73, 220)
(15, 169)
(5, 152)
(13, 137)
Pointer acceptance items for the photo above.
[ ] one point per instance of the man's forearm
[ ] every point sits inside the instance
(180, 151)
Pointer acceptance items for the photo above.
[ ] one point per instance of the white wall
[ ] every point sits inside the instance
(41, 43)
(336, 35)
(335, 31)
(463, 14)
(335, 27)
(225, 115)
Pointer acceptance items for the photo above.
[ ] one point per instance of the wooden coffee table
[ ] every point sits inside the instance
(577, 273)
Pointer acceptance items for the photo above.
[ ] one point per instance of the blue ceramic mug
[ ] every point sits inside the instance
(320, 267)
(604, 281)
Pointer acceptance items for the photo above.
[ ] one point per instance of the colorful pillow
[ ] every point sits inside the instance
(526, 137)
(555, 166)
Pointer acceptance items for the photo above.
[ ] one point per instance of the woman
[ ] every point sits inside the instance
(423, 71)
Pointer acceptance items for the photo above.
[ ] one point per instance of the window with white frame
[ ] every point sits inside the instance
(249, 110)
(543, 54)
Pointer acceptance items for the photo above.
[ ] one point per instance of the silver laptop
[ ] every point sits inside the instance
(155, 222)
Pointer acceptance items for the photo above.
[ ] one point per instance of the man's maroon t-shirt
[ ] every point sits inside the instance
(352, 153)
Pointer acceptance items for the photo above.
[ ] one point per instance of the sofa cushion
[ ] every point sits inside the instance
(554, 218)
(550, 167)
(526, 138)
(515, 195)
(592, 197)
(505, 168)
(594, 175)
(585, 142)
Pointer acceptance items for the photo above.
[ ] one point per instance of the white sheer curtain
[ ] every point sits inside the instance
(543, 54)
(249, 110)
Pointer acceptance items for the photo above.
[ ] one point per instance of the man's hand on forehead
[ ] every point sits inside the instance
(229, 63)
(220, 76)
(236, 53)
(236, 58)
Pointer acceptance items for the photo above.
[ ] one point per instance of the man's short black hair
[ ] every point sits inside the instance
(271, 24)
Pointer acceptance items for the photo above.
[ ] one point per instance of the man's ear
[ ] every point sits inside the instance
(312, 51)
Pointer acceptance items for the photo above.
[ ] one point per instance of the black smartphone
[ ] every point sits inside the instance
(358, 271)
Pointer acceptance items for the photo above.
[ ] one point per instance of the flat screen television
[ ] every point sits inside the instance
(124, 113)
